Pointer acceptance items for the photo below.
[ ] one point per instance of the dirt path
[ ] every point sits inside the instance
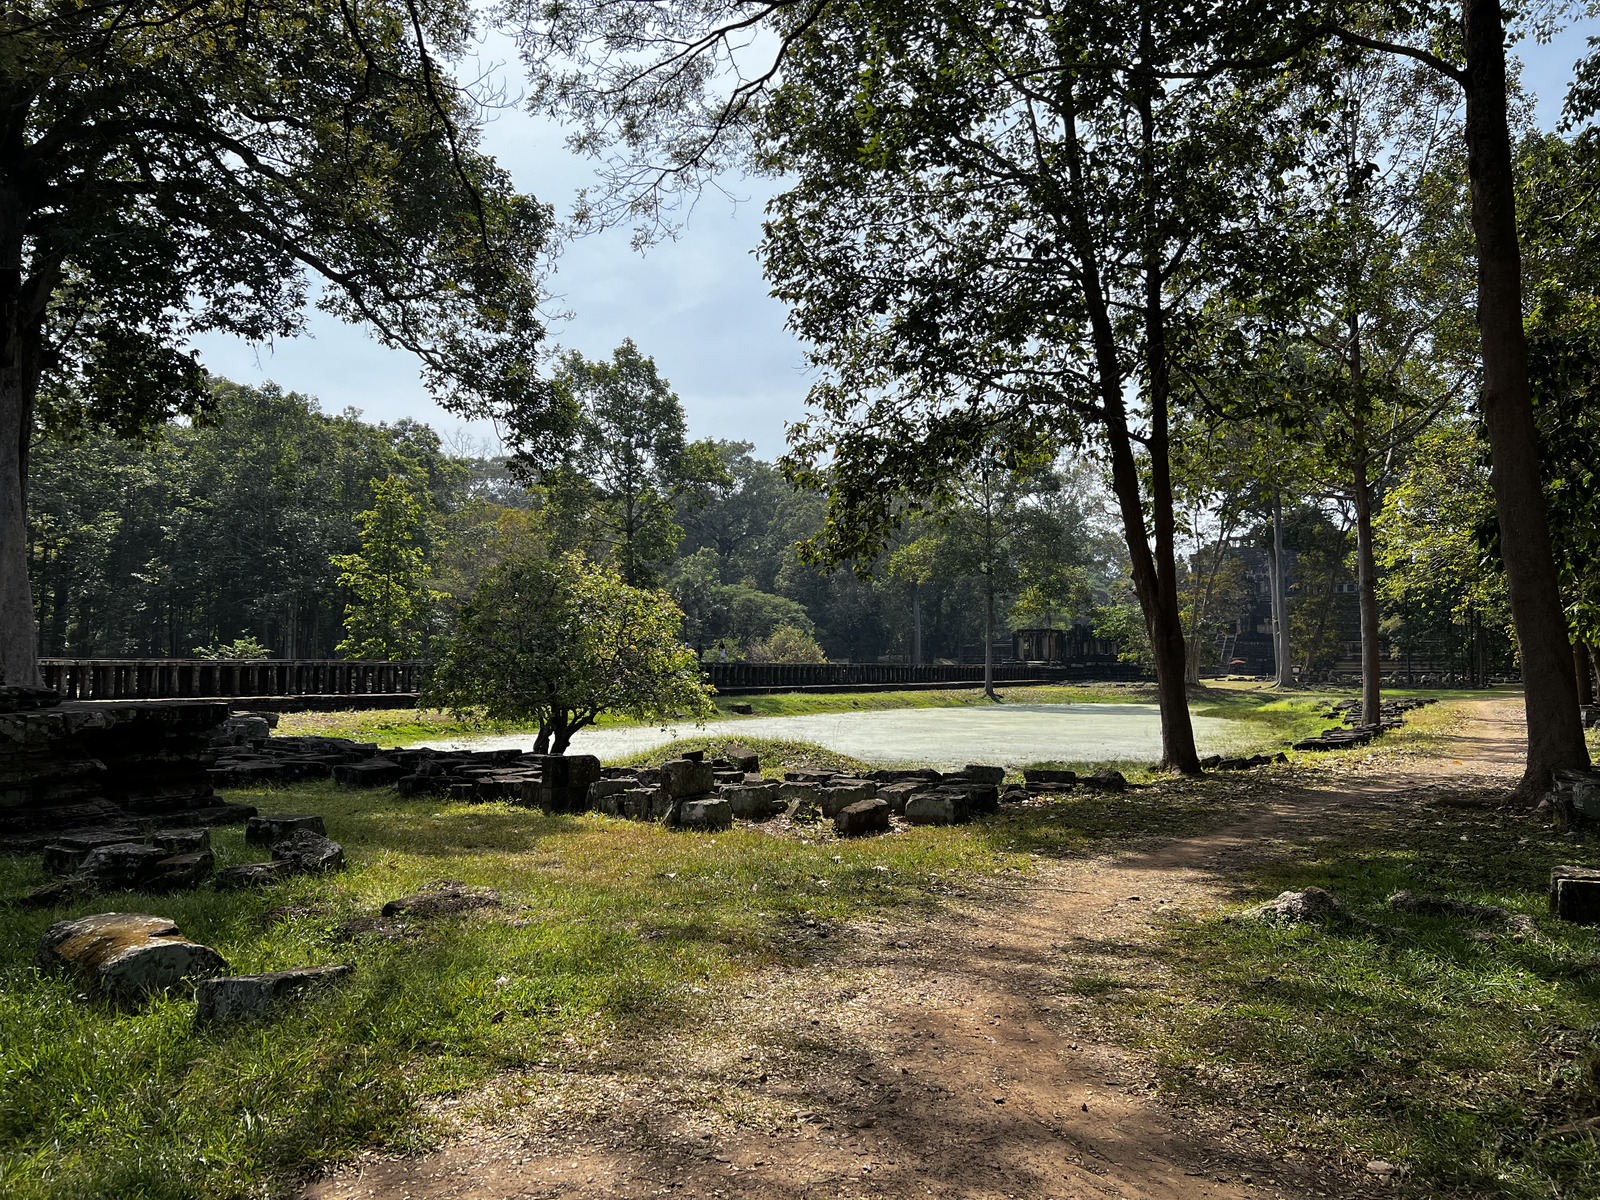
(948, 1058)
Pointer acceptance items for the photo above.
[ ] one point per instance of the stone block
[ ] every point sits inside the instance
(442, 899)
(978, 773)
(178, 872)
(309, 851)
(799, 793)
(270, 830)
(126, 956)
(369, 773)
(980, 797)
(182, 841)
(744, 758)
(1106, 781)
(601, 789)
(254, 875)
(682, 777)
(1046, 777)
(125, 865)
(1575, 894)
(936, 808)
(566, 770)
(65, 854)
(249, 997)
(896, 795)
(709, 814)
(637, 804)
(862, 817)
(1575, 797)
(837, 796)
(59, 859)
(753, 802)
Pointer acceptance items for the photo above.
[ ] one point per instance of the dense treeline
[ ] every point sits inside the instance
(206, 533)
(238, 529)
(209, 533)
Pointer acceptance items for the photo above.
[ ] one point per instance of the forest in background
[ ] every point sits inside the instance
(230, 531)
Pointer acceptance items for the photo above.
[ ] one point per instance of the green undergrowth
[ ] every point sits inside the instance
(394, 726)
(613, 932)
(1471, 1064)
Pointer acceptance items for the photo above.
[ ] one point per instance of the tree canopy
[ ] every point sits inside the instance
(169, 171)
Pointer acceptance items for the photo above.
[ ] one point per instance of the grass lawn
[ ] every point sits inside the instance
(1475, 1063)
(1472, 1062)
(612, 930)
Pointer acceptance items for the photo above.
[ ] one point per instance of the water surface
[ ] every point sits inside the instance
(1003, 735)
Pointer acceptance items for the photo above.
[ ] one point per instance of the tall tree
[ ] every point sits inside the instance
(387, 617)
(1473, 55)
(167, 170)
(999, 224)
(617, 482)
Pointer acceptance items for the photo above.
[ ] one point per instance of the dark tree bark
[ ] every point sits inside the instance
(1280, 599)
(1158, 605)
(1580, 668)
(1367, 589)
(916, 624)
(22, 310)
(1550, 692)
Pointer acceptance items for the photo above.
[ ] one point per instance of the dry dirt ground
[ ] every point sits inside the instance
(950, 1057)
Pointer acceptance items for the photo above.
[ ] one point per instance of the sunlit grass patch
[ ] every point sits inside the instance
(1469, 1062)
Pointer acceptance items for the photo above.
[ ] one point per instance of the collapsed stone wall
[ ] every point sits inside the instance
(109, 769)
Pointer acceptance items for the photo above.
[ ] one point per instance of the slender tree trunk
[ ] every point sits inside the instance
(1164, 619)
(988, 633)
(1367, 588)
(1280, 598)
(1550, 689)
(1580, 668)
(1160, 611)
(1195, 644)
(916, 624)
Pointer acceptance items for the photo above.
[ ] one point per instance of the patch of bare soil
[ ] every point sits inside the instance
(953, 1057)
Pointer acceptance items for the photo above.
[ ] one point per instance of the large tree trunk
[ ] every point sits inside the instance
(1164, 617)
(1280, 599)
(19, 636)
(1367, 588)
(1550, 691)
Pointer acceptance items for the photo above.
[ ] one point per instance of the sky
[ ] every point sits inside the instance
(698, 305)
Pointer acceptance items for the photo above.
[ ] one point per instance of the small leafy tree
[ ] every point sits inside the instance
(557, 642)
(388, 617)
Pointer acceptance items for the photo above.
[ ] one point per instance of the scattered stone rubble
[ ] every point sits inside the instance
(249, 997)
(125, 956)
(1353, 732)
(1317, 905)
